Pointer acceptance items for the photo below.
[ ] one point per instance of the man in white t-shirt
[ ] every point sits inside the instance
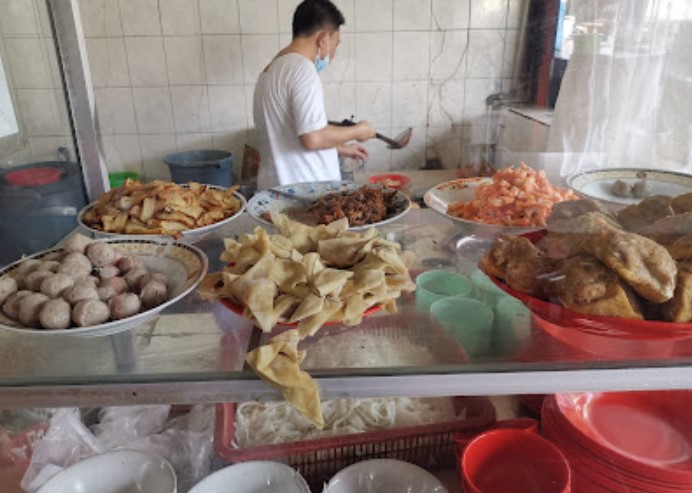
(296, 143)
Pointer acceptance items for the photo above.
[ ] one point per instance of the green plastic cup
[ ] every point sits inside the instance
(486, 290)
(512, 325)
(118, 178)
(433, 285)
(469, 321)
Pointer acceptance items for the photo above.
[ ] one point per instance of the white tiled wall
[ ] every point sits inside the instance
(175, 75)
(29, 57)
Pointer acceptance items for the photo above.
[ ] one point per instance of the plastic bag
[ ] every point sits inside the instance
(185, 442)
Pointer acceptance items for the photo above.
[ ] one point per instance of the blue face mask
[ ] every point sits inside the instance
(321, 63)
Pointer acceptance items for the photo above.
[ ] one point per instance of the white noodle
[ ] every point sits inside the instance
(277, 422)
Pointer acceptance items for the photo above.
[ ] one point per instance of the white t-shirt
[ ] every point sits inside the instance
(288, 103)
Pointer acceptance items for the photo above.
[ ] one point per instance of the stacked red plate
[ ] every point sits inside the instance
(623, 442)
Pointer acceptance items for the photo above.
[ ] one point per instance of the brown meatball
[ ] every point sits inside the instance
(33, 280)
(101, 254)
(132, 278)
(80, 292)
(28, 266)
(153, 294)
(77, 259)
(76, 243)
(11, 305)
(30, 307)
(90, 312)
(49, 265)
(152, 276)
(56, 315)
(8, 286)
(124, 305)
(128, 263)
(106, 292)
(107, 272)
(54, 285)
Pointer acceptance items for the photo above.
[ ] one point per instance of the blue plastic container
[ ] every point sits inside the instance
(211, 167)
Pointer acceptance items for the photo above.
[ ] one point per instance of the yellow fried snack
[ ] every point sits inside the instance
(160, 207)
(278, 363)
(309, 276)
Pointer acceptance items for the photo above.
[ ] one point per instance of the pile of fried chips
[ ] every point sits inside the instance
(160, 208)
(309, 276)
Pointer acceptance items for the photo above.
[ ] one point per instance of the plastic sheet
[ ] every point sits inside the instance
(185, 441)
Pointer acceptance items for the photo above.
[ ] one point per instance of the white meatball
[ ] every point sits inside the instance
(11, 305)
(87, 280)
(75, 270)
(76, 243)
(117, 283)
(8, 286)
(28, 265)
(54, 285)
(90, 312)
(57, 255)
(107, 272)
(77, 259)
(124, 305)
(56, 315)
(152, 276)
(30, 308)
(49, 265)
(79, 293)
(33, 280)
(101, 254)
(153, 294)
(132, 278)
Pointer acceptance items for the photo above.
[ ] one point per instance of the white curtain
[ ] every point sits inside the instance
(626, 96)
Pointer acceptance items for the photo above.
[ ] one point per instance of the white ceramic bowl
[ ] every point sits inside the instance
(188, 236)
(384, 476)
(184, 265)
(253, 477)
(120, 471)
(439, 197)
(268, 201)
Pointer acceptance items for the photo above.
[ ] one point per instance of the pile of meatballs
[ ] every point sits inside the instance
(87, 283)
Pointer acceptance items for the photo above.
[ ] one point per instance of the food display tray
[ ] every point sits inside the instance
(317, 460)
(427, 445)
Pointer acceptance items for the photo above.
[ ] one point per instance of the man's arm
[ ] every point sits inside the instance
(332, 136)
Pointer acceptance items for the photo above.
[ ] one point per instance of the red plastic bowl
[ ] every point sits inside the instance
(32, 177)
(239, 309)
(391, 180)
(514, 461)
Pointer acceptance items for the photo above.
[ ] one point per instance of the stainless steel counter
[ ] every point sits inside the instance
(194, 352)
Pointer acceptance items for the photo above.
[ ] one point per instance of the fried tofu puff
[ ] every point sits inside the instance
(520, 263)
(585, 285)
(679, 308)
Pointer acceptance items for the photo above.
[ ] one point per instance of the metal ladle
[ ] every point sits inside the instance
(398, 142)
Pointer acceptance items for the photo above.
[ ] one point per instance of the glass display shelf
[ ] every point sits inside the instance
(194, 352)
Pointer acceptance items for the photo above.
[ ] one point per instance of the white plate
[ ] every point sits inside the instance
(384, 476)
(268, 201)
(188, 236)
(253, 477)
(119, 471)
(598, 184)
(440, 196)
(184, 266)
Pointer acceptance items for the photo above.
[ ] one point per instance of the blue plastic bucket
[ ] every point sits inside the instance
(210, 167)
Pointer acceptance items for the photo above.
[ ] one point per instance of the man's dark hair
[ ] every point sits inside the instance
(312, 15)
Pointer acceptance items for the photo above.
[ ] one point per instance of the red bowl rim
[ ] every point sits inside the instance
(405, 180)
(619, 327)
(238, 309)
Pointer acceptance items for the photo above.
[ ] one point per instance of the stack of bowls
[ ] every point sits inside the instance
(622, 442)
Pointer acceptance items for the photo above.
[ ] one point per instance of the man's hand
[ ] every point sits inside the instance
(364, 131)
(353, 151)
